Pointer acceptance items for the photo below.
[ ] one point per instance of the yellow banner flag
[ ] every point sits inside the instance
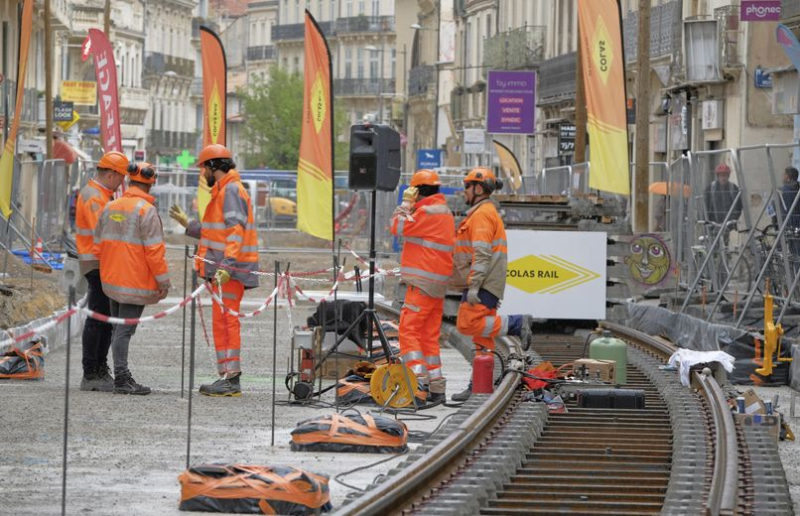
(315, 169)
(215, 90)
(7, 158)
(603, 65)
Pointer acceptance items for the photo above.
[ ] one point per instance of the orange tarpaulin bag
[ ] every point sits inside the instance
(352, 433)
(27, 364)
(246, 489)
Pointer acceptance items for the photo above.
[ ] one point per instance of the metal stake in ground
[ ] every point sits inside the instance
(191, 372)
(183, 338)
(66, 405)
(275, 344)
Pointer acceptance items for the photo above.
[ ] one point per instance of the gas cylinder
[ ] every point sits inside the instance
(483, 374)
(608, 347)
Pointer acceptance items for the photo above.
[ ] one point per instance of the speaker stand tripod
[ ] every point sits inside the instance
(371, 315)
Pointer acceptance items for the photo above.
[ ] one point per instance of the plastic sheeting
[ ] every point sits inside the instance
(684, 330)
(53, 336)
(686, 358)
(695, 334)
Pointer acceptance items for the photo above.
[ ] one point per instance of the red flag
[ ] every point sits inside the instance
(86, 48)
(106, 72)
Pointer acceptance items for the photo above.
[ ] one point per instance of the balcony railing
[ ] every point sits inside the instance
(516, 48)
(420, 78)
(364, 24)
(197, 87)
(261, 53)
(157, 139)
(363, 87)
(158, 63)
(665, 31)
(296, 31)
(134, 98)
(557, 79)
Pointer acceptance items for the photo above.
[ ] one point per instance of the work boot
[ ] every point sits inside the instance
(125, 384)
(225, 386)
(463, 395)
(98, 378)
(526, 333)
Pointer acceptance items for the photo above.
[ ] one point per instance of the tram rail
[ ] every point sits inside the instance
(611, 482)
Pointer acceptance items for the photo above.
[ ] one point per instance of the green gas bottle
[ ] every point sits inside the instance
(607, 347)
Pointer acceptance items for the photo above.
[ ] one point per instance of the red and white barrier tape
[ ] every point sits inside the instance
(302, 275)
(41, 329)
(254, 313)
(149, 318)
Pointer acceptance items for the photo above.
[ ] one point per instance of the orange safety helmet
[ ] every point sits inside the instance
(142, 173)
(114, 160)
(214, 151)
(485, 177)
(425, 177)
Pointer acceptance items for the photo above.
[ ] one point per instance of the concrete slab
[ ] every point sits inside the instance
(125, 453)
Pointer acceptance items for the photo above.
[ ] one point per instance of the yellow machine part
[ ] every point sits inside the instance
(772, 337)
(390, 378)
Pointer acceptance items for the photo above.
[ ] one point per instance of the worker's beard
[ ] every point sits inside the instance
(210, 180)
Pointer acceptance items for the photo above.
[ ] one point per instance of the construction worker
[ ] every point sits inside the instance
(229, 246)
(480, 263)
(426, 264)
(129, 241)
(111, 171)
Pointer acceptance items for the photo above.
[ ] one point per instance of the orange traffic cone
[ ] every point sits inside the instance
(37, 260)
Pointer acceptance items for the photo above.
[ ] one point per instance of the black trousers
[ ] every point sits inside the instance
(96, 334)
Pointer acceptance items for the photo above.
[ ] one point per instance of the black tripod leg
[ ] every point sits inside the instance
(341, 339)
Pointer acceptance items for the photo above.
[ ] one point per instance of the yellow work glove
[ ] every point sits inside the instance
(222, 277)
(178, 215)
(410, 195)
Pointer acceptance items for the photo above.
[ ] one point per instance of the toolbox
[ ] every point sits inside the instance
(611, 398)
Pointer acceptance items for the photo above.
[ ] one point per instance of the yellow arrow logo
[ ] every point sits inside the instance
(546, 274)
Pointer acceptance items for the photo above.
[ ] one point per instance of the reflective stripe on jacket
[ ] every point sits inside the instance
(228, 232)
(429, 237)
(480, 257)
(129, 241)
(89, 204)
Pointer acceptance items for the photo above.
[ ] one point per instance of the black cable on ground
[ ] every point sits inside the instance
(361, 468)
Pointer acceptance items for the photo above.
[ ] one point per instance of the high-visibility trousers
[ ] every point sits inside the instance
(483, 324)
(227, 336)
(420, 327)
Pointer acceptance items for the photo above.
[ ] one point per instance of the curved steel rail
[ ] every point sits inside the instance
(402, 488)
(723, 493)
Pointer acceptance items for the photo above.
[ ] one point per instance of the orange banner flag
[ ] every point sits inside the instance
(215, 89)
(603, 65)
(7, 157)
(315, 168)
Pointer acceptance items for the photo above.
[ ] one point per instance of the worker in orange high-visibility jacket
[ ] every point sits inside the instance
(427, 227)
(228, 255)
(111, 171)
(480, 263)
(129, 241)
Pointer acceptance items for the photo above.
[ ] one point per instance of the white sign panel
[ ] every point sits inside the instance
(474, 141)
(556, 274)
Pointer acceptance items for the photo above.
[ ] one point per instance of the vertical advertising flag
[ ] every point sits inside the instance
(604, 82)
(215, 90)
(105, 70)
(7, 157)
(509, 164)
(315, 168)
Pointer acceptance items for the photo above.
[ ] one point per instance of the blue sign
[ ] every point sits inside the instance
(762, 79)
(429, 158)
